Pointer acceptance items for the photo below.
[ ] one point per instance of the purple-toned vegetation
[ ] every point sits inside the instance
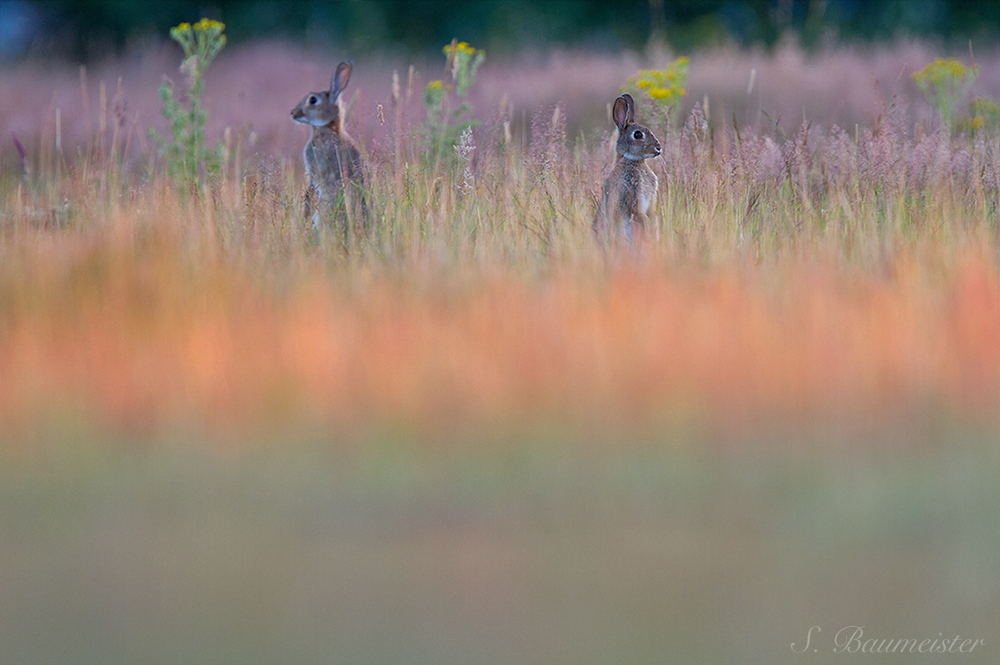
(252, 88)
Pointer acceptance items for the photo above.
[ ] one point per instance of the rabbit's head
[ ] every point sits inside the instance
(635, 142)
(321, 109)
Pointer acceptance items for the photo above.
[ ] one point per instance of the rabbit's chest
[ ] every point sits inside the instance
(647, 189)
(323, 163)
(639, 189)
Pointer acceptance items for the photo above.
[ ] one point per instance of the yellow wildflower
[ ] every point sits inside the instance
(209, 24)
(200, 42)
(663, 86)
(463, 48)
(943, 70)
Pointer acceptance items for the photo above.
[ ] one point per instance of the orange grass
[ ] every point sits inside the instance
(145, 341)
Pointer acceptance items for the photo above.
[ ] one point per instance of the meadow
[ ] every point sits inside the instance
(479, 435)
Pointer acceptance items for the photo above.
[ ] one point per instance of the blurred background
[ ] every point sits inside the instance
(99, 28)
(760, 63)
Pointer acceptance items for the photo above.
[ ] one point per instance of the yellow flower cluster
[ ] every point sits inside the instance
(463, 48)
(436, 88)
(204, 25)
(945, 82)
(663, 86)
(204, 39)
(944, 71)
(209, 24)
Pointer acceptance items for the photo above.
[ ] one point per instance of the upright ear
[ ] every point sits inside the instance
(630, 104)
(620, 112)
(340, 78)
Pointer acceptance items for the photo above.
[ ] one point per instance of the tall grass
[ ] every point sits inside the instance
(805, 272)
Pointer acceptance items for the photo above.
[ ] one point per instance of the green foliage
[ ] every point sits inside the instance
(984, 116)
(444, 125)
(663, 89)
(945, 82)
(188, 157)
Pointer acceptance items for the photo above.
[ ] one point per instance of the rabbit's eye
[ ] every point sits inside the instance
(637, 135)
(313, 99)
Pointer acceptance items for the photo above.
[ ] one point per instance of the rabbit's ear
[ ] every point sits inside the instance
(340, 78)
(630, 103)
(620, 113)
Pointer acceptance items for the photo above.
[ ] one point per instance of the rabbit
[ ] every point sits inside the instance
(631, 187)
(332, 158)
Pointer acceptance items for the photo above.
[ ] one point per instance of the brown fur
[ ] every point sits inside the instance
(332, 158)
(630, 189)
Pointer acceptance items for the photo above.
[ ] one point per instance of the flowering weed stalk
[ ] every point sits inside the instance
(944, 82)
(188, 158)
(445, 126)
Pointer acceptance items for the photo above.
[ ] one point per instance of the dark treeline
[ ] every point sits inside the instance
(83, 29)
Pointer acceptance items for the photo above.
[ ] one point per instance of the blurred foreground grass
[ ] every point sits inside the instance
(675, 549)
